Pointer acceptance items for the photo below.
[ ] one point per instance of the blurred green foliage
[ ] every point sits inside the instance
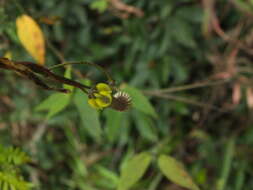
(174, 43)
(10, 161)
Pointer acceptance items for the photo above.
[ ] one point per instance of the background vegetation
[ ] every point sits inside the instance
(186, 64)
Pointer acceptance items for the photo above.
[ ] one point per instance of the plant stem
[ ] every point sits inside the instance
(185, 100)
(57, 53)
(190, 86)
(86, 63)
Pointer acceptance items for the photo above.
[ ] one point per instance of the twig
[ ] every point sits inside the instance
(185, 100)
(41, 129)
(32, 146)
(57, 53)
(86, 63)
(228, 38)
(188, 87)
(120, 6)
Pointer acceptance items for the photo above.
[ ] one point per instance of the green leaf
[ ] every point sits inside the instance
(244, 5)
(54, 104)
(13, 156)
(145, 126)
(89, 116)
(5, 186)
(134, 170)
(58, 101)
(175, 172)
(182, 32)
(7, 179)
(113, 124)
(140, 102)
(108, 176)
(100, 5)
(68, 75)
(229, 152)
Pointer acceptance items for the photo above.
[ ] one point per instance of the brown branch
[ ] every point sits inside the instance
(126, 9)
(31, 71)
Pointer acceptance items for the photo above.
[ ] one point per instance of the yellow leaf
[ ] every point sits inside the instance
(31, 37)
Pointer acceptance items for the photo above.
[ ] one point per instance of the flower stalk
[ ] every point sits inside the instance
(100, 96)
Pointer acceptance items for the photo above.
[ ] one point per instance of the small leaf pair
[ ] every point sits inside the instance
(135, 168)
